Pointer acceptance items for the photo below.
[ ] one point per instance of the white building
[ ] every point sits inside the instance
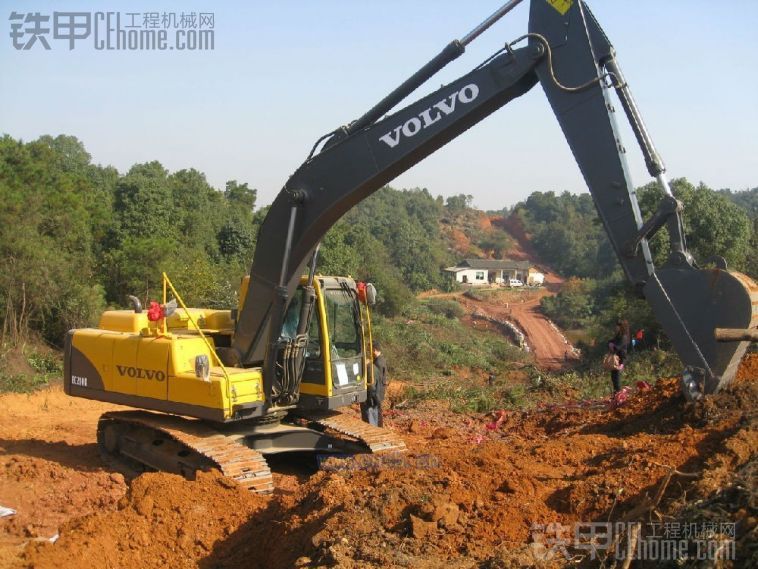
(490, 271)
(535, 279)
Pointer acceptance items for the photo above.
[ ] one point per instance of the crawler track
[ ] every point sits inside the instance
(197, 443)
(375, 438)
(134, 440)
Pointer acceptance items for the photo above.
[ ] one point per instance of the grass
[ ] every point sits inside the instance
(470, 398)
(424, 344)
(591, 381)
(445, 307)
(588, 382)
(578, 336)
(502, 295)
(440, 358)
(21, 383)
(433, 353)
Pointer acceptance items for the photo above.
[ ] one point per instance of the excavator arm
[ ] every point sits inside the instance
(690, 302)
(567, 52)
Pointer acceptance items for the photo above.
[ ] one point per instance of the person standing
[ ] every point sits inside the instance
(371, 409)
(615, 365)
(639, 338)
(618, 347)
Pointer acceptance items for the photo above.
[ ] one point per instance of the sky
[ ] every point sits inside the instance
(282, 73)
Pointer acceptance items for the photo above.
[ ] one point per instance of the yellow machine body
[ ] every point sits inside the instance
(132, 361)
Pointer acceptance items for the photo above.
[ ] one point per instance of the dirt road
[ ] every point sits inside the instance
(465, 495)
(550, 348)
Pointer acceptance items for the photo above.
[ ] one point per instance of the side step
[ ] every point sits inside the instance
(378, 439)
(246, 466)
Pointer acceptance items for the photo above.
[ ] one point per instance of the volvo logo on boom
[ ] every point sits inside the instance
(141, 373)
(428, 117)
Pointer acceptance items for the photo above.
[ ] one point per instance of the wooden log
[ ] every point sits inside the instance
(736, 335)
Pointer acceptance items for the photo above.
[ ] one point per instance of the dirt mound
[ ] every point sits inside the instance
(484, 222)
(164, 520)
(469, 493)
(460, 243)
(474, 500)
(44, 494)
(14, 362)
(50, 471)
(748, 370)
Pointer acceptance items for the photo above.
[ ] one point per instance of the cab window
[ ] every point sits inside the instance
(343, 323)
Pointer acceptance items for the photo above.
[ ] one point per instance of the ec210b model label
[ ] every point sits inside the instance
(431, 115)
(79, 380)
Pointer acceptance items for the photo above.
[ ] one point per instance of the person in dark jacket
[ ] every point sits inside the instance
(619, 345)
(615, 365)
(371, 410)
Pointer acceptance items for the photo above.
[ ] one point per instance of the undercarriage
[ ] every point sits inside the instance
(139, 441)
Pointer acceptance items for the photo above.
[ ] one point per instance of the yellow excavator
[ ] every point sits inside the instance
(223, 388)
(215, 415)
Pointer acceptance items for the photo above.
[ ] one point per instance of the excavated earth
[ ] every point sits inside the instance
(466, 495)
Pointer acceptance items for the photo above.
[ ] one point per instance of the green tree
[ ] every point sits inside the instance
(459, 202)
(144, 203)
(713, 224)
(237, 232)
(566, 233)
(747, 200)
(574, 306)
(196, 209)
(46, 242)
(68, 154)
(337, 255)
(240, 196)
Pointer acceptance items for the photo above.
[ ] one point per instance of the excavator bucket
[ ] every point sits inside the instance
(690, 304)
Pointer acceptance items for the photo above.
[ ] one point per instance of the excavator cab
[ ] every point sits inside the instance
(323, 355)
(336, 361)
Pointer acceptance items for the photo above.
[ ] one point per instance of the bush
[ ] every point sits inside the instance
(24, 373)
(21, 383)
(45, 363)
(474, 294)
(448, 308)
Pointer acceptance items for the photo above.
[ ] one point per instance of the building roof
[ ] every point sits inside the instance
(495, 264)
